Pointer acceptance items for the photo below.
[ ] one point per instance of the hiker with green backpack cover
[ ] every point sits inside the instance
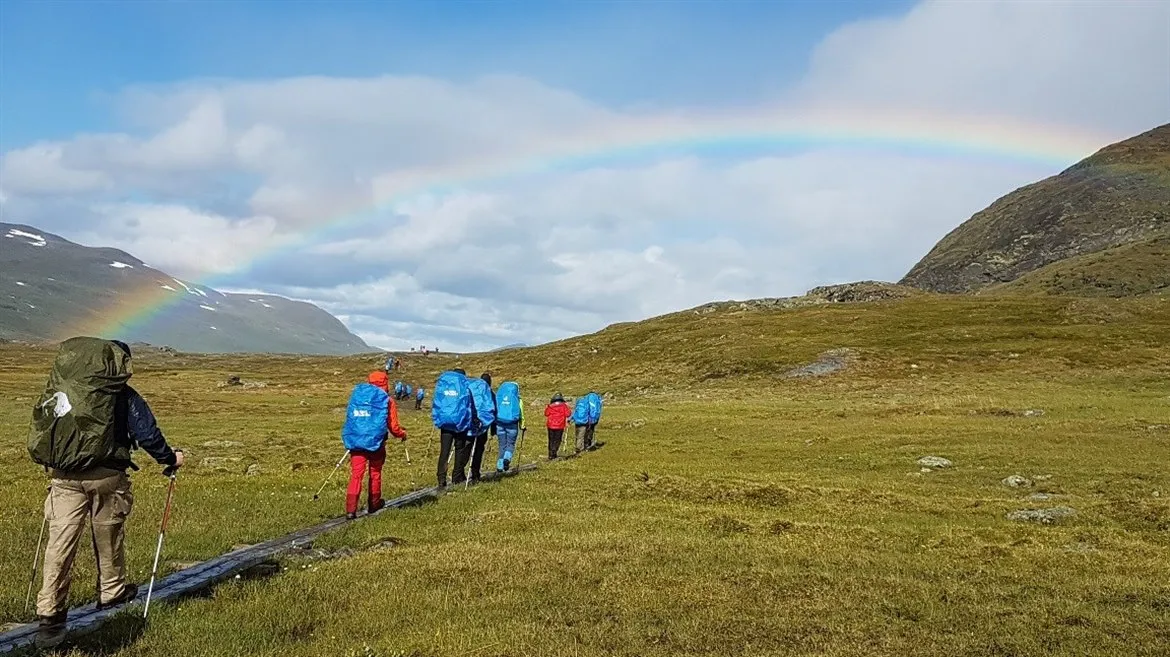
(84, 428)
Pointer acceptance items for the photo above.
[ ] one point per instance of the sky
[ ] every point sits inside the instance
(474, 174)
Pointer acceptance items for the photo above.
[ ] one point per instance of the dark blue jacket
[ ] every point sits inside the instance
(136, 427)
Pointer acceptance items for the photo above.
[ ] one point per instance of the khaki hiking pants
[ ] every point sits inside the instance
(102, 496)
(584, 436)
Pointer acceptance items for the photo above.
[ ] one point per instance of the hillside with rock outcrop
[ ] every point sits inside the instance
(1119, 196)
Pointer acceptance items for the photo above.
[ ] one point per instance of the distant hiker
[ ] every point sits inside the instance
(398, 389)
(84, 427)
(484, 421)
(581, 422)
(371, 414)
(390, 364)
(419, 395)
(408, 392)
(509, 422)
(556, 416)
(593, 402)
(452, 410)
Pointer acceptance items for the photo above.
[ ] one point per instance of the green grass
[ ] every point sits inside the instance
(733, 511)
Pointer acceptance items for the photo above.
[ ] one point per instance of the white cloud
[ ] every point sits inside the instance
(1103, 65)
(450, 228)
(181, 241)
(40, 169)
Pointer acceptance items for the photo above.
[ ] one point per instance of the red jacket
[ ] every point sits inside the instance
(380, 379)
(557, 414)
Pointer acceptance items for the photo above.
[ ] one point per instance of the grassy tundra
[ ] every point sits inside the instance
(734, 510)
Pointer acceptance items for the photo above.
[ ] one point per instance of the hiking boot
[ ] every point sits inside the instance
(50, 631)
(377, 506)
(507, 465)
(129, 592)
(351, 516)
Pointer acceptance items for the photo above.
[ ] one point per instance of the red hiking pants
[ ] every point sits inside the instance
(358, 461)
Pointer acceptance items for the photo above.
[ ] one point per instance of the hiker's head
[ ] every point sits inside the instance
(557, 398)
(487, 377)
(123, 346)
(460, 370)
(379, 379)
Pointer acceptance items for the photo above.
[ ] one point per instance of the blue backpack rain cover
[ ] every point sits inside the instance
(451, 403)
(581, 411)
(365, 419)
(593, 400)
(421, 393)
(408, 389)
(484, 408)
(508, 403)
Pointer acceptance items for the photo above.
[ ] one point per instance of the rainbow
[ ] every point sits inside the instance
(637, 138)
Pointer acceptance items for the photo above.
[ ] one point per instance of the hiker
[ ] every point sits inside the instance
(390, 364)
(593, 402)
(580, 420)
(398, 390)
(84, 428)
(556, 416)
(509, 422)
(418, 398)
(408, 392)
(483, 422)
(452, 410)
(371, 414)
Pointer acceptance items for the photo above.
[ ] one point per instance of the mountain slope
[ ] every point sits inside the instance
(1120, 195)
(51, 288)
(1129, 270)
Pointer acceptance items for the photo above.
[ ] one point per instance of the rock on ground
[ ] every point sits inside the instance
(1016, 481)
(253, 470)
(1042, 516)
(830, 362)
(934, 462)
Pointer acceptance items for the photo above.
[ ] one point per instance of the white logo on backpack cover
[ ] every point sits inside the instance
(62, 404)
(361, 412)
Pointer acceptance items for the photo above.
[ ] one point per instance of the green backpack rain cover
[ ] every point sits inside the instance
(73, 422)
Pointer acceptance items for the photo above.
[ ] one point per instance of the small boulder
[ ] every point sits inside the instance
(233, 381)
(1034, 412)
(253, 470)
(1016, 481)
(934, 462)
(1042, 516)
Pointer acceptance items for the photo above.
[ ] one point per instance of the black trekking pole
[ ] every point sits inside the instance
(335, 469)
(519, 445)
(171, 472)
(36, 563)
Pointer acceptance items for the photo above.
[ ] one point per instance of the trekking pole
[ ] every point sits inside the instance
(335, 469)
(520, 445)
(407, 450)
(172, 472)
(36, 562)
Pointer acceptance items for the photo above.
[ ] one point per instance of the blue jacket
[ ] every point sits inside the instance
(134, 427)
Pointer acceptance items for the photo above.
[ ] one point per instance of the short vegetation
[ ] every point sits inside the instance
(744, 503)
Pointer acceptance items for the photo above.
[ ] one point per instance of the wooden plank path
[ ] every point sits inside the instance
(87, 618)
